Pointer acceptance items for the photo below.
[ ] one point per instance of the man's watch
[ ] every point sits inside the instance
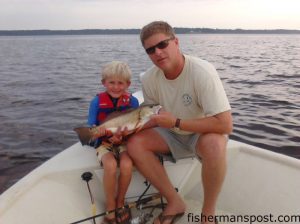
(177, 124)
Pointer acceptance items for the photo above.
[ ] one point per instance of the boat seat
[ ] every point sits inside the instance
(168, 157)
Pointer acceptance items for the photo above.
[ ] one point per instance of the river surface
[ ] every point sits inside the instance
(47, 82)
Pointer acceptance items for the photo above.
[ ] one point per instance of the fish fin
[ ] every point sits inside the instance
(117, 114)
(148, 104)
(139, 129)
(85, 134)
(112, 115)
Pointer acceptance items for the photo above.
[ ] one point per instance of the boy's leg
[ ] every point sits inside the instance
(124, 177)
(142, 147)
(109, 181)
(123, 184)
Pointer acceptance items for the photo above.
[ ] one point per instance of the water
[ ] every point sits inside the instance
(47, 82)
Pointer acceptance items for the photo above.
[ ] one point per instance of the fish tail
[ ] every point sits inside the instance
(85, 135)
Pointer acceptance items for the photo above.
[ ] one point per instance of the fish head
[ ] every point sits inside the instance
(148, 110)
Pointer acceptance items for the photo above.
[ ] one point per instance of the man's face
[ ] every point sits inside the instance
(166, 57)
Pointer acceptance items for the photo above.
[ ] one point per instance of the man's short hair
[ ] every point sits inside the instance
(155, 28)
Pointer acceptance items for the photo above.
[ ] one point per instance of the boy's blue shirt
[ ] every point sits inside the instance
(94, 107)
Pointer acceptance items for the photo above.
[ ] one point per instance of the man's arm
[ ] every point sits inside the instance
(220, 123)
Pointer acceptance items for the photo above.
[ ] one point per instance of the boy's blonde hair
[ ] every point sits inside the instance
(116, 69)
(154, 28)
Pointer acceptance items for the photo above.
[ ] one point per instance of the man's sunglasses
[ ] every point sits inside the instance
(161, 45)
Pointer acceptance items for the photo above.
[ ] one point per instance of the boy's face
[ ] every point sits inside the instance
(115, 87)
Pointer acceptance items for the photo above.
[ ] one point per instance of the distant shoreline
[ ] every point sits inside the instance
(137, 31)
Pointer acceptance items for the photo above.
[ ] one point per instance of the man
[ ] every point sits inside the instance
(196, 119)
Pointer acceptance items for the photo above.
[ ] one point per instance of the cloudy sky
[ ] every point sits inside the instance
(113, 14)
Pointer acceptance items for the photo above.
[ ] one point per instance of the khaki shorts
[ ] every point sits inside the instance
(102, 150)
(181, 146)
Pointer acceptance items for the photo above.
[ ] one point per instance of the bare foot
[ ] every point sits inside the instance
(174, 207)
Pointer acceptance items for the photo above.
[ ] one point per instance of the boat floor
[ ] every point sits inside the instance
(192, 214)
(257, 182)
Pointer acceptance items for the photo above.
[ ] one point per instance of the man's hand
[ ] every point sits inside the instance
(164, 119)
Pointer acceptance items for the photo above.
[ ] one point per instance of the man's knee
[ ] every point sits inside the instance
(135, 145)
(211, 146)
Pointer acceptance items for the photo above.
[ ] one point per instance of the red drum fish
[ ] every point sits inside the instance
(132, 120)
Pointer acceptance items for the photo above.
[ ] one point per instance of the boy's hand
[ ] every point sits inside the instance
(118, 136)
(101, 131)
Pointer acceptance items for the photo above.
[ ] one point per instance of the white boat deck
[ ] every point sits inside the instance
(192, 214)
(258, 182)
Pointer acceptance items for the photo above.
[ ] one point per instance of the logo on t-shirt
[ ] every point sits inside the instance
(186, 99)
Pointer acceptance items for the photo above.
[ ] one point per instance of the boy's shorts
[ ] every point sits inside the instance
(181, 146)
(102, 150)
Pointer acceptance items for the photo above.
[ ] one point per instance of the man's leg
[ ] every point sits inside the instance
(142, 147)
(212, 150)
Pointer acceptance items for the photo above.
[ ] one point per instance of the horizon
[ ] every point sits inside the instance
(209, 28)
(125, 14)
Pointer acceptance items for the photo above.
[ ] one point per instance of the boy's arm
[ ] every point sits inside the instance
(93, 112)
(92, 118)
(134, 103)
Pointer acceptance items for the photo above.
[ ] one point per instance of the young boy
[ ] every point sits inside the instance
(116, 80)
